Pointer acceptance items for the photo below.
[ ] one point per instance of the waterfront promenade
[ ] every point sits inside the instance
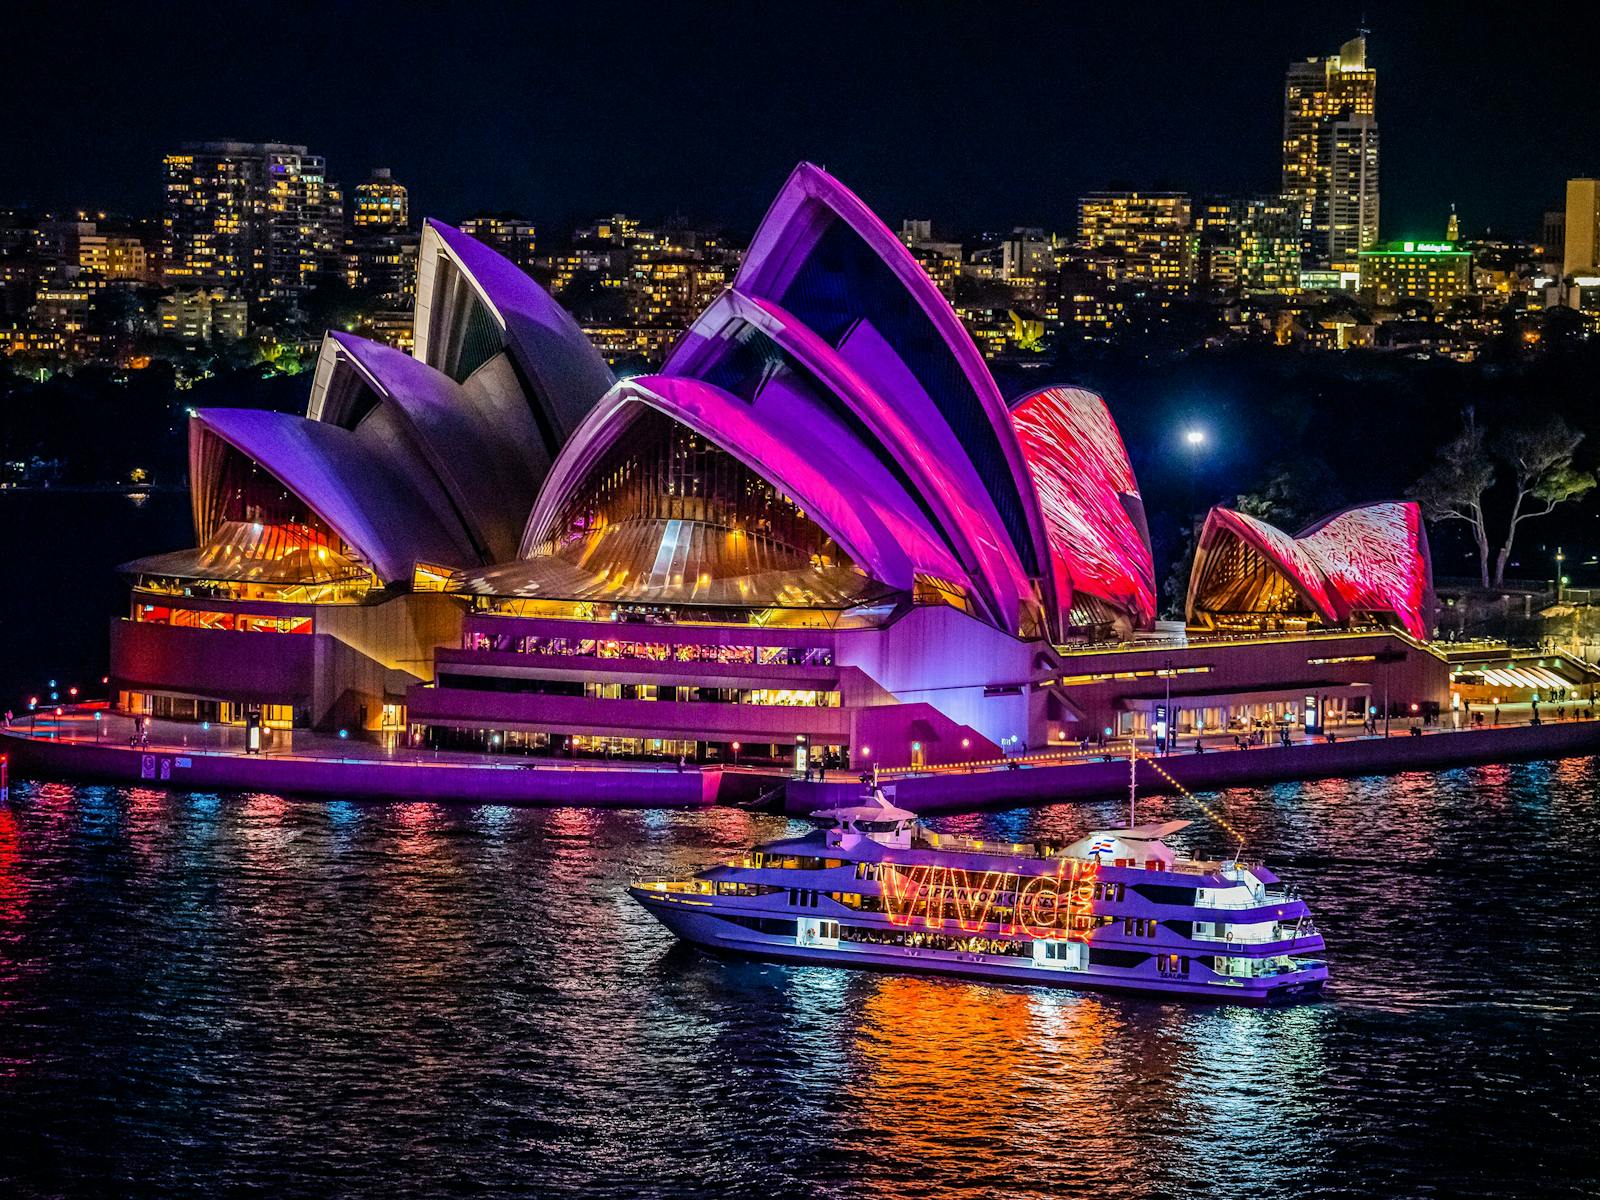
(78, 745)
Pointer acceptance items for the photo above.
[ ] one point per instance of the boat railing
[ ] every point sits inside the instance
(1229, 903)
(1278, 933)
(694, 887)
(960, 841)
(1185, 866)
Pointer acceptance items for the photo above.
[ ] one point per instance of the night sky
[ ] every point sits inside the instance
(979, 115)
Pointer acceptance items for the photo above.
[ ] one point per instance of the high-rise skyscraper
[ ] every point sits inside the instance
(249, 214)
(1330, 152)
(1581, 249)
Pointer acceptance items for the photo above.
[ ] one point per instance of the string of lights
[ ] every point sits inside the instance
(1216, 817)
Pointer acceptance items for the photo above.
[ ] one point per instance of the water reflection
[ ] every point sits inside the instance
(997, 1085)
(229, 992)
(13, 888)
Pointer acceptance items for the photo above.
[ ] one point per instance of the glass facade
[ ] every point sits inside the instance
(196, 618)
(650, 651)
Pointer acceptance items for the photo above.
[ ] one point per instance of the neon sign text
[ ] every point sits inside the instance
(1039, 906)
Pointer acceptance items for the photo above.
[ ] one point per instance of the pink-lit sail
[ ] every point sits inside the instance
(1370, 559)
(1376, 560)
(1089, 500)
(890, 547)
(826, 260)
(1296, 561)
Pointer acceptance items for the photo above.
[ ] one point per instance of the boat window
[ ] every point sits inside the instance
(1104, 957)
(1161, 893)
(729, 887)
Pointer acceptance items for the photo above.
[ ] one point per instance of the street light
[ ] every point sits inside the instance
(1194, 441)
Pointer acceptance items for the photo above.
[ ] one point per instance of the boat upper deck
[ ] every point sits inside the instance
(818, 849)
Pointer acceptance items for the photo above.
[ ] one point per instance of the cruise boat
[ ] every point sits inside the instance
(1116, 909)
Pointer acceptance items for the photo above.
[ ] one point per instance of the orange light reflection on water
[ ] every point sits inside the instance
(1013, 1081)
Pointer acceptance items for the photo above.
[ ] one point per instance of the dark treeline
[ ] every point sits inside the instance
(1295, 434)
(1290, 434)
(93, 425)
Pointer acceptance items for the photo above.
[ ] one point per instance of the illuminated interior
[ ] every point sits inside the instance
(1237, 587)
(665, 518)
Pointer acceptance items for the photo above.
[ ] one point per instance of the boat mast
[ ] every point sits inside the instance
(1133, 785)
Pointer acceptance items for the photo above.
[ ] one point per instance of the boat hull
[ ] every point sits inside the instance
(694, 923)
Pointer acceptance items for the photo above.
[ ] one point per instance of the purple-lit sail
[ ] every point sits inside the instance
(479, 456)
(472, 304)
(332, 473)
(826, 260)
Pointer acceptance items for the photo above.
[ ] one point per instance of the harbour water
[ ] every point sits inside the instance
(213, 995)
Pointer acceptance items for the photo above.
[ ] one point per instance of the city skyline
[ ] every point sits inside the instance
(552, 127)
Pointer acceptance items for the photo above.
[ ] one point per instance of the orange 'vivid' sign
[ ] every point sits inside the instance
(1040, 906)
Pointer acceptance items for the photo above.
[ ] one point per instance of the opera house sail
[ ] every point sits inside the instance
(818, 529)
(1369, 562)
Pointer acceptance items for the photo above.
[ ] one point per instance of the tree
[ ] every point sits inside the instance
(1540, 457)
(1292, 494)
(1453, 488)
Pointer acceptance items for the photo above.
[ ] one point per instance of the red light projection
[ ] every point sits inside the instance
(1089, 499)
(1296, 562)
(1369, 559)
(1376, 559)
(1042, 906)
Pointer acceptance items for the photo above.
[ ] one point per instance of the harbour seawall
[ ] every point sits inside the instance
(957, 791)
(542, 784)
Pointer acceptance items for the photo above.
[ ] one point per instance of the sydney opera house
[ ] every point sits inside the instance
(820, 530)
